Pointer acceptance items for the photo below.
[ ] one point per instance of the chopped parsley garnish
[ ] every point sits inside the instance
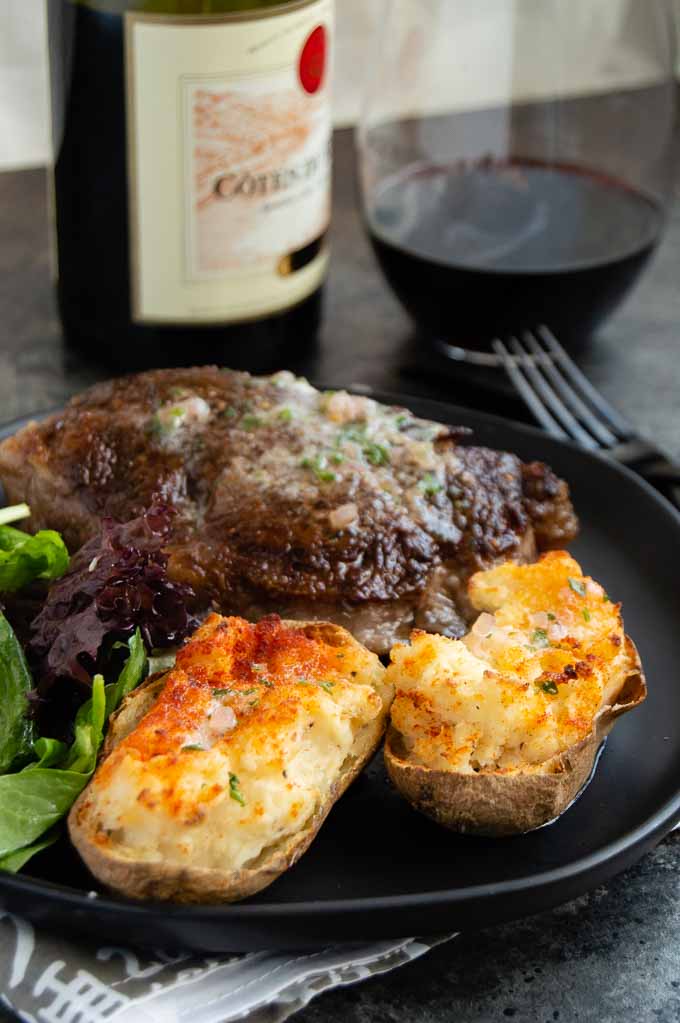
(165, 421)
(376, 454)
(540, 638)
(586, 614)
(176, 393)
(233, 692)
(577, 585)
(337, 458)
(229, 412)
(430, 485)
(354, 433)
(285, 415)
(549, 687)
(193, 746)
(552, 617)
(402, 421)
(250, 422)
(327, 686)
(319, 466)
(606, 599)
(235, 790)
(304, 682)
(259, 670)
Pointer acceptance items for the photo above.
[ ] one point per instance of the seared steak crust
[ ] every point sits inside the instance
(288, 498)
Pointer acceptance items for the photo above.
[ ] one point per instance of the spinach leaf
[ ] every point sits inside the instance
(16, 731)
(24, 558)
(34, 800)
(13, 862)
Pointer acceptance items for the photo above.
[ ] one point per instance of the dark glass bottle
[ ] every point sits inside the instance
(191, 177)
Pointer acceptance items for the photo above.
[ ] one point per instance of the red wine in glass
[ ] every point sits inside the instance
(476, 252)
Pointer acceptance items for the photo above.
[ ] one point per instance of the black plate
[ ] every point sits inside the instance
(378, 869)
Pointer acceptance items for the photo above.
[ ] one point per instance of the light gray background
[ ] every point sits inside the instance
(23, 74)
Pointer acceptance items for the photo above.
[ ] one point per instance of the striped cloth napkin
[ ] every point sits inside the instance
(43, 979)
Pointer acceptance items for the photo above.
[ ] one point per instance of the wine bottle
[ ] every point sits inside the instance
(191, 185)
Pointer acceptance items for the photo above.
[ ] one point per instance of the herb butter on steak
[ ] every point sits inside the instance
(311, 504)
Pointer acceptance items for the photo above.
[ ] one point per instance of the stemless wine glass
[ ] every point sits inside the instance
(516, 160)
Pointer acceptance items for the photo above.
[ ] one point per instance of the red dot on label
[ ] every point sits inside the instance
(313, 60)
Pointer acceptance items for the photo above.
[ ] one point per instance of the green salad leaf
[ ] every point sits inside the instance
(32, 801)
(24, 558)
(35, 799)
(136, 668)
(13, 513)
(13, 863)
(162, 661)
(16, 731)
(49, 752)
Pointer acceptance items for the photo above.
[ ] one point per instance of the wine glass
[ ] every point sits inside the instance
(516, 161)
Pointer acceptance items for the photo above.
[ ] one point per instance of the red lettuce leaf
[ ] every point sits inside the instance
(117, 582)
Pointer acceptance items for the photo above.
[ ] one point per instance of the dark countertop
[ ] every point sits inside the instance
(610, 955)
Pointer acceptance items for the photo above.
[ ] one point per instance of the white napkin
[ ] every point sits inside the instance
(48, 980)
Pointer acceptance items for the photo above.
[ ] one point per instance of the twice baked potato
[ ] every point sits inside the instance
(217, 776)
(497, 733)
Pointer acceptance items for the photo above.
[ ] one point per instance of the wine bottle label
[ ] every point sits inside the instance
(229, 131)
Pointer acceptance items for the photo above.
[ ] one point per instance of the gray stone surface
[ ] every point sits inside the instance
(610, 956)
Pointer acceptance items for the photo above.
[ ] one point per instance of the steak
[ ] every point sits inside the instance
(310, 504)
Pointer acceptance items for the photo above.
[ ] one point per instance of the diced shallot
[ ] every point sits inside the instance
(556, 632)
(342, 407)
(223, 720)
(485, 624)
(343, 517)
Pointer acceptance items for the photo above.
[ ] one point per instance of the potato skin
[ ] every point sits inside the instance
(159, 881)
(496, 804)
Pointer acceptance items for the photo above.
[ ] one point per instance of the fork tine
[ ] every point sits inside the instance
(570, 397)
(551, 398)
(621, 427)
(548, 422)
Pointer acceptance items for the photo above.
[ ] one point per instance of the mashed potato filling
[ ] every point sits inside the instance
(546, 654)
(244, 744)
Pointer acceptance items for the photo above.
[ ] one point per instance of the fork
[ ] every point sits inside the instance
(568, 407)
